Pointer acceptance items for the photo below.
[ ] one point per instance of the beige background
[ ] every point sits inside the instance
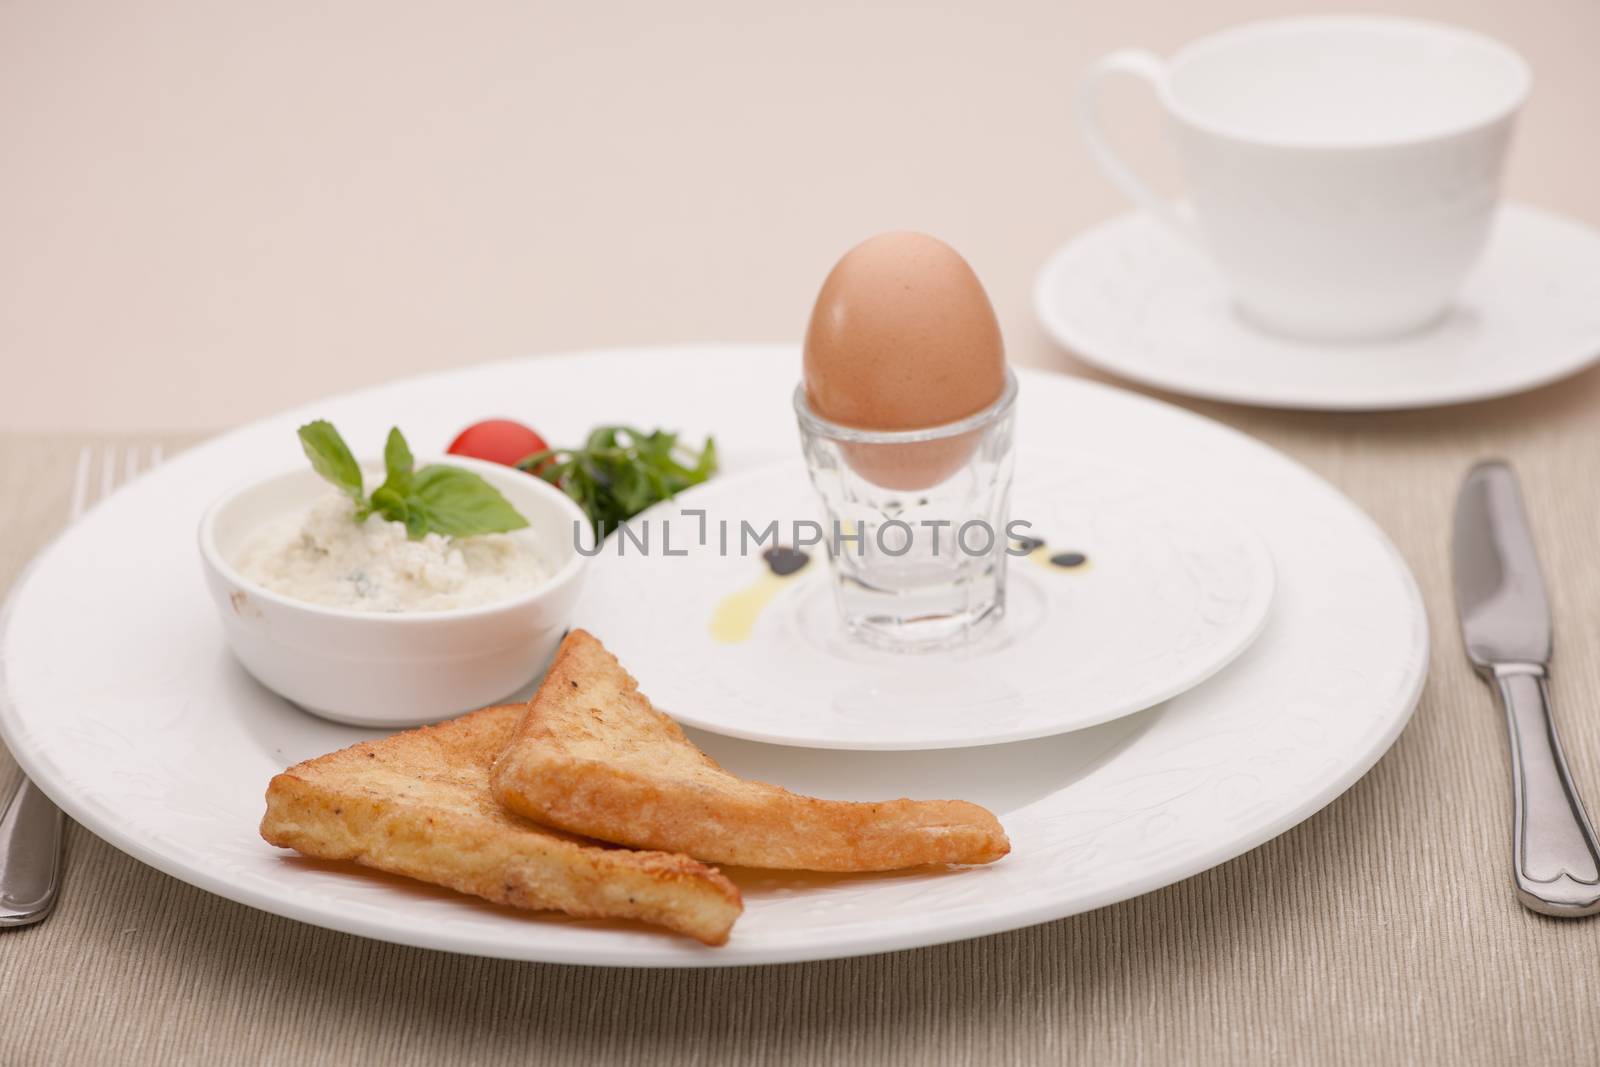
(209, 212)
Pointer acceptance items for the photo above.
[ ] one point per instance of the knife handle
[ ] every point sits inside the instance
(30, 856)
(1555, 857)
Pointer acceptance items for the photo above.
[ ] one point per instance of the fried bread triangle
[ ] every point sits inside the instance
(418, 804)
(594, 757)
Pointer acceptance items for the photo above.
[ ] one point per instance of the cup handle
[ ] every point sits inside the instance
(1177, 217)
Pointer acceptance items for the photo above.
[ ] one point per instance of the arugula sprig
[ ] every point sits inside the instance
(620, 471)
(436, 499)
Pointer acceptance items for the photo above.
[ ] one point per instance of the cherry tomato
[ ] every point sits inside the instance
(498, 441)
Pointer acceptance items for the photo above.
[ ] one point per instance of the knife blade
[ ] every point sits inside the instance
(1506, 626)
(1505, 617)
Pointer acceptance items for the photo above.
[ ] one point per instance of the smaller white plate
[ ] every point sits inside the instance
(1138, 593)
(1130, 299)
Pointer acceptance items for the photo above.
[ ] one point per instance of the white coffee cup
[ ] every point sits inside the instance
(1341, 172)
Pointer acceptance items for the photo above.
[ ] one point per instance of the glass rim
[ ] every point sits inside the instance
(813, 423)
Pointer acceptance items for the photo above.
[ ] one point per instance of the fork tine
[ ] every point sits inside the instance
(30, 825)
(108, 472)
(118, 466)
(80, 482)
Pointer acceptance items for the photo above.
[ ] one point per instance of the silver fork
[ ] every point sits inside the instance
(30, 825)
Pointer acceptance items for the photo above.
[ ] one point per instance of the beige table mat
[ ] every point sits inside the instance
(1382, 929)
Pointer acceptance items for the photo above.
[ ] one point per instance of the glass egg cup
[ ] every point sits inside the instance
(916, 523)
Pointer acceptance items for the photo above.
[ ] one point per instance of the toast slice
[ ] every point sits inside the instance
(594, 757)
(418, 804)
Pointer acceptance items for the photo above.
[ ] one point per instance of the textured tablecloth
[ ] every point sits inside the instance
(1383, 928)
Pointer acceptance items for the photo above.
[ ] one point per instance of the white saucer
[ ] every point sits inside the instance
(1132, 300)
(1139, 592)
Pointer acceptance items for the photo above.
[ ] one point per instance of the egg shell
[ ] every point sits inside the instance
(903, 337)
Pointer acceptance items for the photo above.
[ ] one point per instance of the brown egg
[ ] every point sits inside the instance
(903, 338)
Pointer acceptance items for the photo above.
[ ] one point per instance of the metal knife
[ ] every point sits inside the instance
(1505, 619)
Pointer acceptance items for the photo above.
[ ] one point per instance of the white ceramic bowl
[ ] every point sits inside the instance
(392, 669)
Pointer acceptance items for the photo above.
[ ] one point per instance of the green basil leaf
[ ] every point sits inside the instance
(416, 521)
(459, 503)
(331, 457)
(397, 462)
(392, 498)
(390, 504)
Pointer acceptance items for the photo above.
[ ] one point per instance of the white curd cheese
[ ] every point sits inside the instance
(324, 556)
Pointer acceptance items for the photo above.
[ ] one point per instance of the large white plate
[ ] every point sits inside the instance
(1131, 299)
(1163, 592)
(124, 705)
